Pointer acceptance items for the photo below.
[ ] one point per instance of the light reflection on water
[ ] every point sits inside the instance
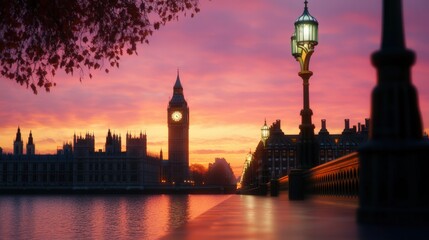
(99, 217)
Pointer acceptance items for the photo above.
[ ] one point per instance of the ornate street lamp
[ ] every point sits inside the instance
(246, 166)
(305, 38)
(303, 41)
(265, 132)
(249, 158)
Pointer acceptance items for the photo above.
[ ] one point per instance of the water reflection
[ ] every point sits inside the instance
(98, 217)
(178, 211)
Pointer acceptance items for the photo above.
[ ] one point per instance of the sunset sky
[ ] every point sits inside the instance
(236, 70)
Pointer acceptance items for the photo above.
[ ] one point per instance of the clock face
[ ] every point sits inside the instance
(176, 116)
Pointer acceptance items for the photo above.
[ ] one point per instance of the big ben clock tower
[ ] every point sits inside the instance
(178, 135)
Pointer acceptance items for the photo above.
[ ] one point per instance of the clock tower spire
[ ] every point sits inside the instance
(178, 135)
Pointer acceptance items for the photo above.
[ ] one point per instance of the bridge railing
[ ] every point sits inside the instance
(284, 183)
(339, 177)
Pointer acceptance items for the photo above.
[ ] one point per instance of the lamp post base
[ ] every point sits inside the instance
(396, 217)
(394, 184)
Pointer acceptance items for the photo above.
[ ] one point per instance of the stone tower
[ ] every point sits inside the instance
(31, 148)
(178, 135)
(18, 144)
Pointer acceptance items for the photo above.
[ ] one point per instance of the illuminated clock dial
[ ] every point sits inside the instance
(176, 116)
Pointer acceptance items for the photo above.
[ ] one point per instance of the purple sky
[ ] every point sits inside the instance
(236, 70)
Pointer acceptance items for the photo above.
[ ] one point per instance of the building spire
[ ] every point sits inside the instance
(178, 84)
(18, 135)
(30, 138)
(178, 99)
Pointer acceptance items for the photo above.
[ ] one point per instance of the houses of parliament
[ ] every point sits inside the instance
(79, 166)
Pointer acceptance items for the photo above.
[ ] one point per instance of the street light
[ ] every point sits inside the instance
(246, 166)
(305, 38)
(306, 28)
(296, 51)
(249, 158)
(303, 41)
(265, 132)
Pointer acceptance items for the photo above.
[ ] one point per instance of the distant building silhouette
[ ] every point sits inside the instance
(78, 165)
(278, 155)
(136, 145)
(31, 148)
(220, 173)
(18, 144)
(113, 143)
(83, 146)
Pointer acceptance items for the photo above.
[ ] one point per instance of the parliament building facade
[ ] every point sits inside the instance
(79, 166)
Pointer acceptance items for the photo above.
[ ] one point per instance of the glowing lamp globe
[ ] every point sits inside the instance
(306, 29)
(249, 158)
(296, 51)
(265, 132)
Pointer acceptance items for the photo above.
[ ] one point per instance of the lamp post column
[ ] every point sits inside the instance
(303, 41)
(394, 179)
(306, 112)
(307, 143)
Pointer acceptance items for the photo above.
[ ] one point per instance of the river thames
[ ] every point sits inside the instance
(99, 216)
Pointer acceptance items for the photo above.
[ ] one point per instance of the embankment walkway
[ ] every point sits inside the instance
(259, 217)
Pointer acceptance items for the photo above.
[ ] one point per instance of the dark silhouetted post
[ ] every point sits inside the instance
(296, 184)
(394, 165)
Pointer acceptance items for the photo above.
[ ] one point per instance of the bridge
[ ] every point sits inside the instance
(387, 178)
(337, 178)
